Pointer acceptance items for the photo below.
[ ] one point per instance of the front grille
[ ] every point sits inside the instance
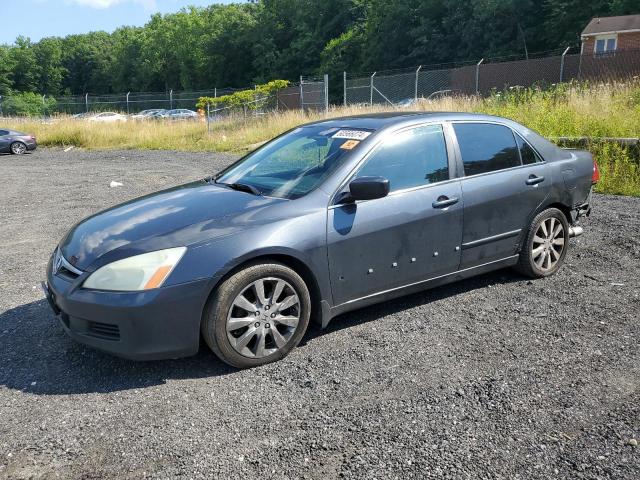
(67, 274)
(63, 268)
(105, 331)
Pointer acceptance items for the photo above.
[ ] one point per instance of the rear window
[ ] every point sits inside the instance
(486, 147)
(527, 153)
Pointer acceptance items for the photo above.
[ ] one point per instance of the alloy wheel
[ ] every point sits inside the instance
(18, 148)
(263, 317)
(548, 244)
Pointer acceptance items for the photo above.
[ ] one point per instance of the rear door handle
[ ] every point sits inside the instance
(443, 201)
(534, 180)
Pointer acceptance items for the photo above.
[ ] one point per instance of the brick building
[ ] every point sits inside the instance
(611, 34)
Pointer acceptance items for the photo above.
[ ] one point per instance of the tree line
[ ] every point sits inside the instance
(241, 44)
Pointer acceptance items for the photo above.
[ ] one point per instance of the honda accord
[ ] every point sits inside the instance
(328, 217)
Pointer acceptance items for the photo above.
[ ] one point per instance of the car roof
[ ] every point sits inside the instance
(377, 121)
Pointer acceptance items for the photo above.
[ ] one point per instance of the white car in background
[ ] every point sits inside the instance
(108, 117)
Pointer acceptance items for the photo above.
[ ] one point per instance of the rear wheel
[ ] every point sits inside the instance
(545, 246)
(257, 316)
(18, 148)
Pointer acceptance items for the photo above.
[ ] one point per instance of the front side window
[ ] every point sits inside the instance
(486, 147)
(296, 163)
(410, 158)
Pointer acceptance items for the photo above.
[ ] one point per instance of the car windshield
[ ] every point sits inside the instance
(296, 163)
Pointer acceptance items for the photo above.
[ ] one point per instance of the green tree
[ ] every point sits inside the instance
(6, 70)
(49, 71)
(24, 71)
(565, 19)
(240, 44)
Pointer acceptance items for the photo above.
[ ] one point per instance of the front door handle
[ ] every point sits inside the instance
(534, 180)
(443, 201)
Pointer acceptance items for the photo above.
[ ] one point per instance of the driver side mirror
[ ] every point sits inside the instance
(368, 188)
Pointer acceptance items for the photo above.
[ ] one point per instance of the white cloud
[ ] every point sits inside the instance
(102, 4)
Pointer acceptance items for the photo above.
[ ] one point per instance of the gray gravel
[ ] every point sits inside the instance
(495, 377)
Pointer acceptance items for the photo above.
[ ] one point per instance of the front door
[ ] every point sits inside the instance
(410, 235)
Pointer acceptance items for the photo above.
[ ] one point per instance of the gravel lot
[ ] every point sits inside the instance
(495, 377)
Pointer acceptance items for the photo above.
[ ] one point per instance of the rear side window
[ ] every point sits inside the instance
(4, 132)
(527, 153)
(410, 158)
(486, 147)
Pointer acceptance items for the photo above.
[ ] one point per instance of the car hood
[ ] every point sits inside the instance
(178, 216)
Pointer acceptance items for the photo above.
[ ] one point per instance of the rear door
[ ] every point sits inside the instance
(408, 236)
(504, 182)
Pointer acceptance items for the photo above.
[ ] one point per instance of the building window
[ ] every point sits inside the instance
(605, 44)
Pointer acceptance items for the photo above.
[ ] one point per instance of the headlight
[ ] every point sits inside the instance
(141, 272)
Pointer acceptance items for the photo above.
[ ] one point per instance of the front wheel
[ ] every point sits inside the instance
(545, 246)
(18, 148)
(257, 316)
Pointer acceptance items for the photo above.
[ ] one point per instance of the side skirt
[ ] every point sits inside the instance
(329, 313)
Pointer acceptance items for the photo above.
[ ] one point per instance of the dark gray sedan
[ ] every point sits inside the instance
(16, 142)
(326, 218)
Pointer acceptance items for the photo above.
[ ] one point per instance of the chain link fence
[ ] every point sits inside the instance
(406, 86)
(310, 94)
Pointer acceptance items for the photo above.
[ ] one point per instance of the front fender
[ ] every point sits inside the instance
(302, 238)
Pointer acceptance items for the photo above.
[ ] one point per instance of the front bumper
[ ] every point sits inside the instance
(150, 325)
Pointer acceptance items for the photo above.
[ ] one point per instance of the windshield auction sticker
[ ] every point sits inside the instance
(351, 134)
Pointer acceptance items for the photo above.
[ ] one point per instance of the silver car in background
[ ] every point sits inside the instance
(148, 114)
(179, 114)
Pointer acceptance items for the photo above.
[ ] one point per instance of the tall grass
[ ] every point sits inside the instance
(566, 110)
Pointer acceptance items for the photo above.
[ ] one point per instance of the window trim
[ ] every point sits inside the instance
(610, 36)
(451, 162)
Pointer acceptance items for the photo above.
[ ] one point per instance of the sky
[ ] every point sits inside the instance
(47, 18)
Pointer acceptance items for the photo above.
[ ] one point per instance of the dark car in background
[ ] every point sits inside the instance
(326, 218)
(16, 142)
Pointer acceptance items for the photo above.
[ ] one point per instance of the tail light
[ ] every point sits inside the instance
(595, 176)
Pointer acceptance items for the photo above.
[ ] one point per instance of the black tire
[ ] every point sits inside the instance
(221, 303)
(18, 148)
(531, 265)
